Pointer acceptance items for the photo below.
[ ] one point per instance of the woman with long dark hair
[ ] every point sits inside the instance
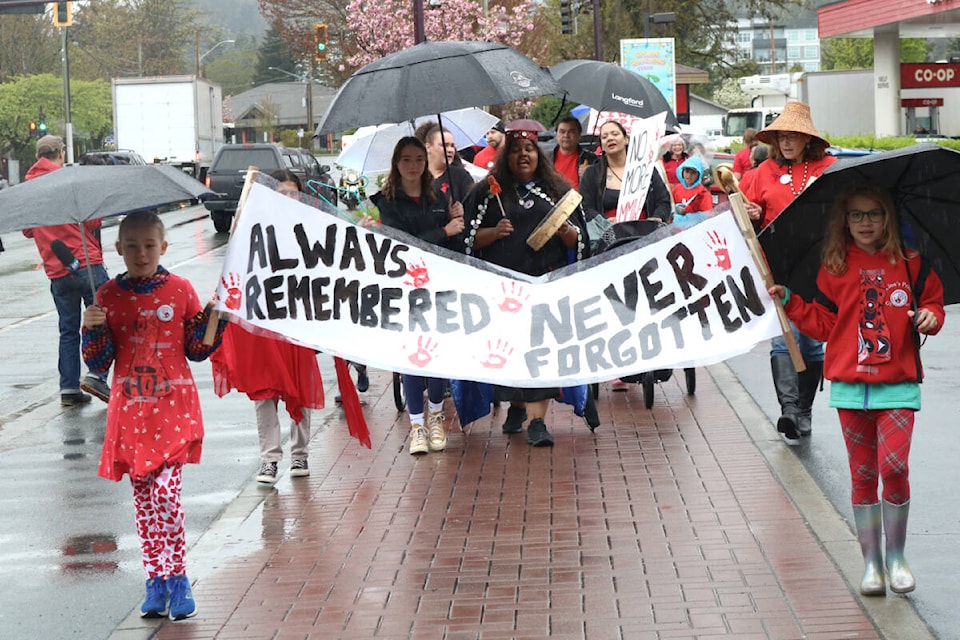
(529, 187)
(408, 201)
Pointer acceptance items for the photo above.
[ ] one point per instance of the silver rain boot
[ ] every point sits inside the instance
(869, 526)
(895, 528)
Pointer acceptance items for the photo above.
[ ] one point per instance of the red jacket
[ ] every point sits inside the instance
(68, 233)
(766, 189)
(741, 161)
(862, 315)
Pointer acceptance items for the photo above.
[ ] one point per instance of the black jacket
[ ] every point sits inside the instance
(455, 182)
(594, 181)
(425, 220)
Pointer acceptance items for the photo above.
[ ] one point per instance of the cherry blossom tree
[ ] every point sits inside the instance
(382, 27)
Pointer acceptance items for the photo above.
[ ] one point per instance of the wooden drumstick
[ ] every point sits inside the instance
(727, 180)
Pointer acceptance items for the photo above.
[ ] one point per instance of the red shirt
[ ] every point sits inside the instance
(741, 161)
(485, 157)
(870, 282)
(566, 165)
(69, 234)
(766, 189)
(697, 198)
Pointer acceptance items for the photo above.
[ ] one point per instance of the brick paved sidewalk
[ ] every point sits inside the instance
(666, 523)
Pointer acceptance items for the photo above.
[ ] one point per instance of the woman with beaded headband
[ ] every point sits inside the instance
(797, 157)
(526, 186)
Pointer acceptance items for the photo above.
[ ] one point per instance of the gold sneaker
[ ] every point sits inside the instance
(438, 437)
(418, 440)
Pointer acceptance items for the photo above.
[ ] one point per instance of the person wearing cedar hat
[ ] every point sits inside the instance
(797, 157)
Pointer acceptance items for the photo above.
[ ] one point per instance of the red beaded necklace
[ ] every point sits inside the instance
(803, 183)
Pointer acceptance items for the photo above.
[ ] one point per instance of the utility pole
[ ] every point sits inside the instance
(597, 41)
(68, 124)
(419, 31)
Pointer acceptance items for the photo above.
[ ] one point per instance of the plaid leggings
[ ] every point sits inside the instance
(878, 446)
(156, 499)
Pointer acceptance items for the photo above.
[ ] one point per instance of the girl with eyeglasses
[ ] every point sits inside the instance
(875, 297)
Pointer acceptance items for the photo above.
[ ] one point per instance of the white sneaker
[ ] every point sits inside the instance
(418, 440)
(438, 437)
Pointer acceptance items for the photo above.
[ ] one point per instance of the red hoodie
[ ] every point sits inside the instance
(862, 315)
(69, 233)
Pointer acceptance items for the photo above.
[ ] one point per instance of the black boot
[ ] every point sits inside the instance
(590, 411)
(809, 382)
(786, 383)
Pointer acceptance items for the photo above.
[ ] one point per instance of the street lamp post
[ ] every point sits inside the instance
(206, 53)
(656, 18)
(309, 98)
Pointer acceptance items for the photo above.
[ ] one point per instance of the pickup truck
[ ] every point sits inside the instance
(229, 169)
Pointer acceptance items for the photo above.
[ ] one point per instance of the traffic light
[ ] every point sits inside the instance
(320, 39)
(33, 129)
(41, 127)
(566, 17)
(62, 15)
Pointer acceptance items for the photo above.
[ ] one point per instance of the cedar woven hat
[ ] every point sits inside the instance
(794, 117)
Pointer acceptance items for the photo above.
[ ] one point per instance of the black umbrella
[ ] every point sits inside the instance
(606, 86)
(923, 181)
(431, 77)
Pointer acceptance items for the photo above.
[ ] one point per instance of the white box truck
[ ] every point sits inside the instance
(176, 120)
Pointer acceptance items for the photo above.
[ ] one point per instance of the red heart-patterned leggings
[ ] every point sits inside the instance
(878, 446)
(159, 513)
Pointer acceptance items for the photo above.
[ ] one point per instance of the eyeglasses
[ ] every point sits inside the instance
(874, 215)
(789, 137)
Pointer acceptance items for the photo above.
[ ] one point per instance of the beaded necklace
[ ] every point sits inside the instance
(803, 183)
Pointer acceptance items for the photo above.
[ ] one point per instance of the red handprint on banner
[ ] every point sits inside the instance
(499, 352)
(233, 290)
(719, 247)
(419, 276)
(513, 298)
(424, 353)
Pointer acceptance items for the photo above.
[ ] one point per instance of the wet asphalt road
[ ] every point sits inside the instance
(68, 554)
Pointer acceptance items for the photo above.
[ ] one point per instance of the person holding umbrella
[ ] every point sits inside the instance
(409, 202)
(568, 158)
(445, 165)
(874, 297)
(501, 215)
(797, 157)
(71, 262)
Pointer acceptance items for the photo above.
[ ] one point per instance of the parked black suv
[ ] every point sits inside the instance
(228, 171)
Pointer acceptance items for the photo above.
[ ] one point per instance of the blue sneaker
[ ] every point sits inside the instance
(155, 603)
(182, 604)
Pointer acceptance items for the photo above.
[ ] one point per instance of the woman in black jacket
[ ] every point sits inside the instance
(408, 201)
(600, 184)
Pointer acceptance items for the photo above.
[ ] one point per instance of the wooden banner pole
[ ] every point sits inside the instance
(746, 228)
(211, 333)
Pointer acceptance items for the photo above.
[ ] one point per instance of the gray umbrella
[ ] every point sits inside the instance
(80, 193)
(432, 77)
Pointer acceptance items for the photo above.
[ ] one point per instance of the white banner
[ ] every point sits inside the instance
(386, 299)
(642, 155)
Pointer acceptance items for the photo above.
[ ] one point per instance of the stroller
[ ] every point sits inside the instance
(619, 234)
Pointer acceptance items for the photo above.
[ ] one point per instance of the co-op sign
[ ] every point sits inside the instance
(923, 75)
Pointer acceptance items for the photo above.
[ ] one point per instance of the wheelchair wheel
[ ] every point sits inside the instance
(399, 400)
(647, 382)
(691, 376)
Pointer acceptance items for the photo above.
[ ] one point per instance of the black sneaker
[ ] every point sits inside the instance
(537, 434)
(516, 416)
(96, 387)
(73, 398)
(590, 412)
(363, 382)
(267, 473)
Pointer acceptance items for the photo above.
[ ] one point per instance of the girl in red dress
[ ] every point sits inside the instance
(147, 323)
